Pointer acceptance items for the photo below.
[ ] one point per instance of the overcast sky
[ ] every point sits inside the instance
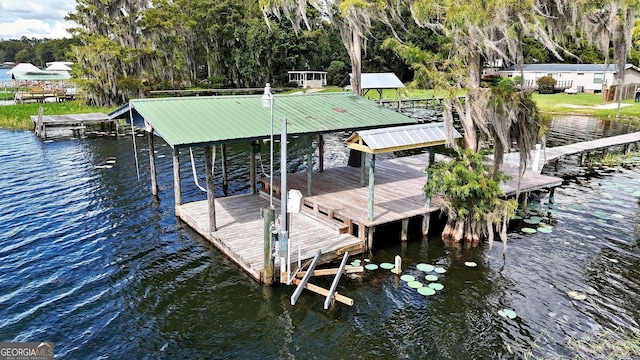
(35, 18)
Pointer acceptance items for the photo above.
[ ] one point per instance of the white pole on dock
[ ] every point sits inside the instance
(536, 159)
(284, 233)
(267, 100)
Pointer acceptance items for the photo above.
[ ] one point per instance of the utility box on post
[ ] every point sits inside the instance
(294, 201)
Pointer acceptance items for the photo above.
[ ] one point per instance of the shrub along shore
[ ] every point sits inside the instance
(17, 117)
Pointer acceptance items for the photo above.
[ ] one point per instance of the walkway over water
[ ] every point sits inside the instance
(555, 153)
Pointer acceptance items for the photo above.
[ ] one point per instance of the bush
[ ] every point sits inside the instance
(546, 85)
(291, 84)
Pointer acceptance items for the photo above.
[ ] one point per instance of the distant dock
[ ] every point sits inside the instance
(74, 122)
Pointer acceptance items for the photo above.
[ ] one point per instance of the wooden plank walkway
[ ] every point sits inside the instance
(240, 237)
(71, 121)
(555, 153)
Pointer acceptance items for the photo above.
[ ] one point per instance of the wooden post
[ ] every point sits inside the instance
(370, 231)
(269, 266)
(320, 153)
(40, 122)
(225, 180)
(310, 167)
(551, 195)
(152, 165)
(252, 167)
(177, 192)
(372, 170)
(582, 158)
(363, 167)
(211, 197)
(405, 229)
(427, 193)
(398, 265)
(426, 219)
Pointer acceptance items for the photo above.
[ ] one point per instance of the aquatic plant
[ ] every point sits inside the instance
(473, 200)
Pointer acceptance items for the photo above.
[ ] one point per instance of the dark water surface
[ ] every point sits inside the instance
(91, 261)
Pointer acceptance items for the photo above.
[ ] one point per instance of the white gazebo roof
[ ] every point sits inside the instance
(58, 66)
(23, 68)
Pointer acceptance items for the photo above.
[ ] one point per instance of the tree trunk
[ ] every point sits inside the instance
(470, 132)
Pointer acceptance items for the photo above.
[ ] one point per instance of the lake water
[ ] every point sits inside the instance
(91, 261)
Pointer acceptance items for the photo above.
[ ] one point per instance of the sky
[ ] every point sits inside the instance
(35, 18)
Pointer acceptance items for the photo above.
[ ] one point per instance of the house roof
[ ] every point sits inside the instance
(378, 81)
(43, 75)
(569, 68)
(223, 119)
(399, 138)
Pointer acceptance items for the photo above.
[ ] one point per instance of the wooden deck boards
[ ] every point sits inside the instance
(239, 232)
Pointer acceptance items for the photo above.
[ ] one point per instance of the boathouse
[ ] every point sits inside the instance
(339, 212)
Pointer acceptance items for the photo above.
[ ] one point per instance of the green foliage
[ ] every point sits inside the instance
(18, 117)
(337, 72)
(546, 85)
(470, 187)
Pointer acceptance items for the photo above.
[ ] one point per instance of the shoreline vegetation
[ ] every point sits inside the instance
(17, 117)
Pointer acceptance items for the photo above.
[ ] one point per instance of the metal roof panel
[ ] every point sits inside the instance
(219, 119)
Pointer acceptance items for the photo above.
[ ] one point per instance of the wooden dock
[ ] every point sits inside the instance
(240, 236)
(554, 154)
(335, 218)
(74, 122)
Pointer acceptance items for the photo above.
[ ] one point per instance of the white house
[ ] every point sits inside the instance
(308, 78)
(587, 78)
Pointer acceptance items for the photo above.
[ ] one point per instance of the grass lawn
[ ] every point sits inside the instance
(586, 104)
(17, 117)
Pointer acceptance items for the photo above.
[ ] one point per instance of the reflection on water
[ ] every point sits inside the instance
(90, 260)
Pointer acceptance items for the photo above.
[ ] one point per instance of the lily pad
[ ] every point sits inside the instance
(576, 206)
(431, 278)
(426, 291)
(587, 228)
(414, 284)
(436, 286)
(577, 295)
(440, 270)
(532, 220)
(387, 266)
(508, 313)
(371, 267)
(425, 267)
(544, 230)
(528, 230)
(470, 264)
(516, 217)
(407, 278)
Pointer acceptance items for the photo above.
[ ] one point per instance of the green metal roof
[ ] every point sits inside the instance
(222, 119)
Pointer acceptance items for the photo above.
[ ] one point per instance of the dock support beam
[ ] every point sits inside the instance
(405, 230)
(211, 197)
(252, 167)
(363, 168)
(370, 231)
(152, 165)
(320, 153)
(223, 155)
(269, 267)
(426, 219)
(177, 191)
(310, 167)
(372, 170)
